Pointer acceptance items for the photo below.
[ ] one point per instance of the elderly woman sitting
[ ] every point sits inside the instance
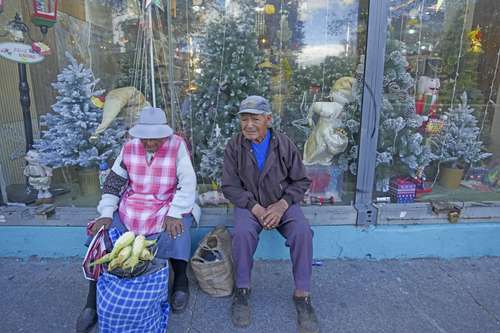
(150, 190)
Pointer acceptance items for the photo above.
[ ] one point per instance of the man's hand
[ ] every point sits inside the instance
(274, 213)
(103, 221)
(173, 226)
(259, 212)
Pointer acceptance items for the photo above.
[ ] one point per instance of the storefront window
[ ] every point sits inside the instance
(306, 57)
(439, 125)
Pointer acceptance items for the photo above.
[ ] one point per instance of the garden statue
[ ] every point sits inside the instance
(38, 177)
(327, 138)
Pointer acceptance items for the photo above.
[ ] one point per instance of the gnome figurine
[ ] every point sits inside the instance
(38, 177)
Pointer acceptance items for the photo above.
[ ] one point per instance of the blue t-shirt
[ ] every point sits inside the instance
(260, 150)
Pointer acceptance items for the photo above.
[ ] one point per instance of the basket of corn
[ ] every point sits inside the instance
(130, 256)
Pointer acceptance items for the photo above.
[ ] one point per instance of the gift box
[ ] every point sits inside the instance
(476, 173)
(422, 186)
(402, 190)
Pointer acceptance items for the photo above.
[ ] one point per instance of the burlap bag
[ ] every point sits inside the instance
(214, 275)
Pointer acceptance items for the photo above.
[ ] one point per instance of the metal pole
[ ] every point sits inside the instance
(152, 60)
(24, 93)
(171, 63)
(371, 108)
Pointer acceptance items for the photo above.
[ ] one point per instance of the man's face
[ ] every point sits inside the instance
(254, 126)
(152, 145)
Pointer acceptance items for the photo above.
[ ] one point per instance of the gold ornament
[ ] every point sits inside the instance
(269, 9)
(476, 40)
(434, 126)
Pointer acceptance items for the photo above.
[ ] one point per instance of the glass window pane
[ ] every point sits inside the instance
(305, 56)
(438, 123)
(301, 55)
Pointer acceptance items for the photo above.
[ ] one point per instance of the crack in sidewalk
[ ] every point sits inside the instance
(483, 307)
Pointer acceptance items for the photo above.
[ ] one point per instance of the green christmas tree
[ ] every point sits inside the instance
(228, 73)
(213, 157)
(466, 64)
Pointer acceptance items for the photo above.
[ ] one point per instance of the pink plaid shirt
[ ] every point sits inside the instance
(151, 187)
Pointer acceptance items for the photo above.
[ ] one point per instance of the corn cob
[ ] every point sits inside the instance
(146, 255)
(113, 264)
(124, 254)
(137, 247)
(102, 260)
(125, 240)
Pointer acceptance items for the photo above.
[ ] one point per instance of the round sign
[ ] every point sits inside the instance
(19, 52)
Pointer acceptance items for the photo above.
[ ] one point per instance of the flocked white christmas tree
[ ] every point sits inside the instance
(65, 141)
(458, 142)
(402, 149)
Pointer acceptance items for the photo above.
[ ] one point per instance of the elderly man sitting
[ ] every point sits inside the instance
(151, 190)
(263, 176)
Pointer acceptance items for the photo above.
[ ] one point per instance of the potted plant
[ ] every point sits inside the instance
(458, 144)
(68, 128)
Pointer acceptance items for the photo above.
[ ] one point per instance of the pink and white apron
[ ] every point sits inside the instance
(151, 186)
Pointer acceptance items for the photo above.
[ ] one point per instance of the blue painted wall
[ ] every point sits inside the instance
(346, 242)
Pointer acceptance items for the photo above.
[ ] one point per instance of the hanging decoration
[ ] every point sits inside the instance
(490, 96)
(438, 5)
(459, 56)
(44, 14)
(260, 21)
(476, 40)
(263, 42)
(269, 9)
(156, 3)
(1, 6)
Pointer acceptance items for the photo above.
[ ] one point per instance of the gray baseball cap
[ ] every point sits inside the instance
(255, 105)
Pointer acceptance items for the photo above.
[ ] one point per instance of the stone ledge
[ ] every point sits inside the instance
(416, 213)
(77, 217)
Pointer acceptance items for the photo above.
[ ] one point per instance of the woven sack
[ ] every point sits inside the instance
(212, 263)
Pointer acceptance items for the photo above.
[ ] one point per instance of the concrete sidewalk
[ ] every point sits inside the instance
(427, 295)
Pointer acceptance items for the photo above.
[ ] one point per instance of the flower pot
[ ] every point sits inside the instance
(451, 177)
(89, 181)
(64, 175)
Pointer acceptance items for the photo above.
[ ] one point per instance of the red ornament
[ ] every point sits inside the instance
(314, 89)
(44, 13)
